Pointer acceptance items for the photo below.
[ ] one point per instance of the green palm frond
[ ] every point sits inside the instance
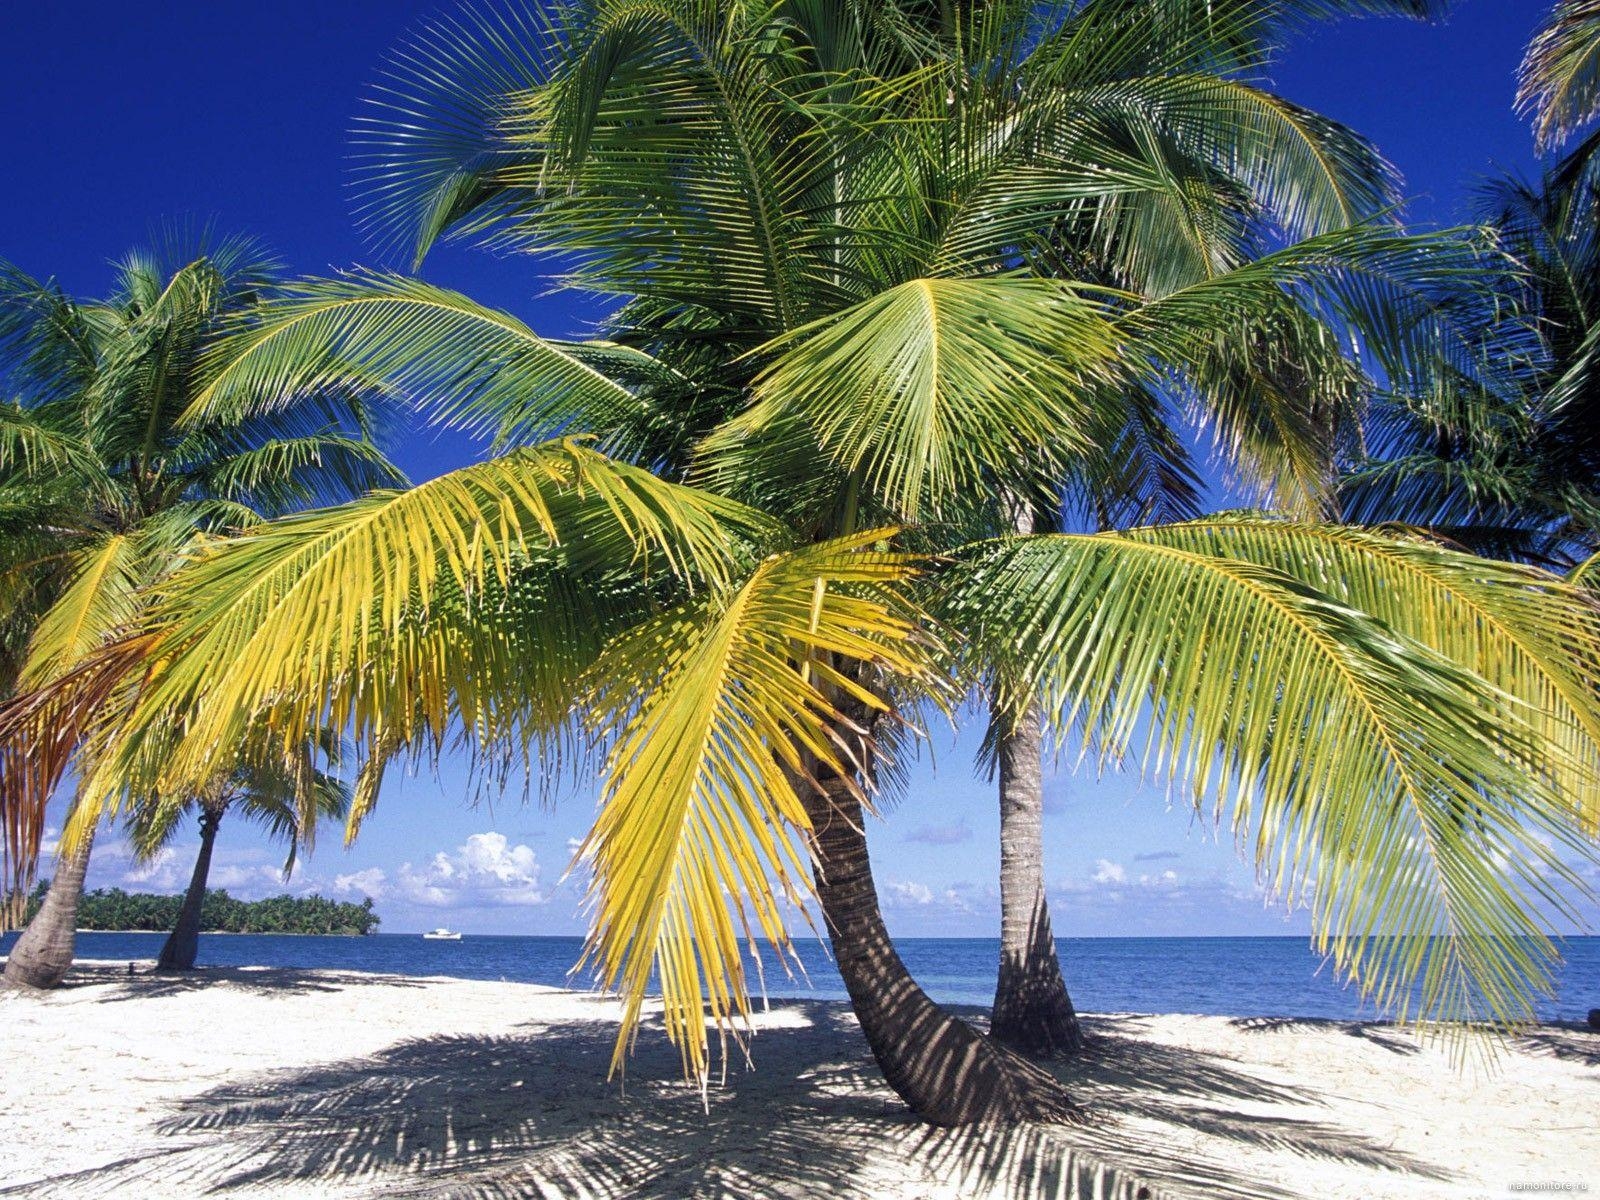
(933, 386)
(1266, 346)
(1559, 79)
(1421, 807)
(477, 366)
(433, 143)
(287, 800)
(48, 348)
(33, 447)
(1523, 631)
(698, 840)
(286, 473)
(1307, 173)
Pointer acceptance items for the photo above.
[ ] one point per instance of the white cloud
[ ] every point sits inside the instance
(165, 872)
(484, 871)
(910, 892)
(905, 894)
(1106, 871)
(372, 881)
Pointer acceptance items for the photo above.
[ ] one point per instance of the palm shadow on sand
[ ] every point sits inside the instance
(531, 1115)
(146, 983)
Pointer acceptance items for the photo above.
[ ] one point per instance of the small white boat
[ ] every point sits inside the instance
(442, 935)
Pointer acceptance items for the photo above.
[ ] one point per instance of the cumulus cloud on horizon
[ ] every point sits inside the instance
(485, 871)
(1106, 871)
(249, 872)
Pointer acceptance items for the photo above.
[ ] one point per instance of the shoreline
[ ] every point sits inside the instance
(309, 1083)
(225, 933)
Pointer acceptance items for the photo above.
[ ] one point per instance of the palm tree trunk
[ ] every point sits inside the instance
(183, 943)
(43, 954)
(1032, 1011)
(946, 1071)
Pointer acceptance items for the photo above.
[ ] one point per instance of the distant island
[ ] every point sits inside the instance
(113, 910)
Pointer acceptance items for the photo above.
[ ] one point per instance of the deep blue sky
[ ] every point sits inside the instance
(114, 117)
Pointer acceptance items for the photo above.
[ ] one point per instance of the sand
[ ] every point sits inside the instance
(328, 1084)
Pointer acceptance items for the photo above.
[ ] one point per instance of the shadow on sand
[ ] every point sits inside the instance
(146, 983)
(531, 1115)
(1569, 1039)
(1379, 1033)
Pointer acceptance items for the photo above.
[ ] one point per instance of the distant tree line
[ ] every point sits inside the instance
(113, 909)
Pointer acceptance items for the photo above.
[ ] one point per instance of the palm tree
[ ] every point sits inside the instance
(1505, 458)
(1106, 195)
(272, 794)
(1128, 149)
(103, 489)
(829, 322)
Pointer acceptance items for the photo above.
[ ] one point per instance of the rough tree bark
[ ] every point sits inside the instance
(1032, 1011)
(183, 943)
(945, 1070)
(43, 954)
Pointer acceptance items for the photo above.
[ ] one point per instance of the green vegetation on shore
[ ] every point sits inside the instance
(114, 910)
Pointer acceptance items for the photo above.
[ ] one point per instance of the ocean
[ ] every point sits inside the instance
(1237, 977)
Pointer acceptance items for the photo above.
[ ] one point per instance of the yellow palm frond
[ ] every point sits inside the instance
(403, 613)
(100, 601)
(711, 706)
(1523, 631)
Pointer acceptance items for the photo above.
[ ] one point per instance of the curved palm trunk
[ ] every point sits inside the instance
(43, 954)
(947, 1072)
(183, 943)
(1032, 1011)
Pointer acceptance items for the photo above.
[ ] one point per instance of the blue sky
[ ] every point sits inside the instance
(115, 117)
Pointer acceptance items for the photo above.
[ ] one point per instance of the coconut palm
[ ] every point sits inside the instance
(103, 491)
(832, 329)
(271, 794)
(1130, 148)
(1505, 459)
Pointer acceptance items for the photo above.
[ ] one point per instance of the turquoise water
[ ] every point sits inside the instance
(1241, 977)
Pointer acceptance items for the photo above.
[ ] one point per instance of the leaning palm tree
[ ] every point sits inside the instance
(831, 355)
(103, 491)
(276, 795)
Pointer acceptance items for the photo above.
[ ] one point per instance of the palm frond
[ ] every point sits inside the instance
(1520, 629)
(1558, 83)
(1419, 805)
(401, 611)
(41, 732)
(434, 143)
(99, 602)
(473, 365)
(699, 837)
(933, 386)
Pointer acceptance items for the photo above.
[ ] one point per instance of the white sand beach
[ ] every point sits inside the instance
(313, 1084)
